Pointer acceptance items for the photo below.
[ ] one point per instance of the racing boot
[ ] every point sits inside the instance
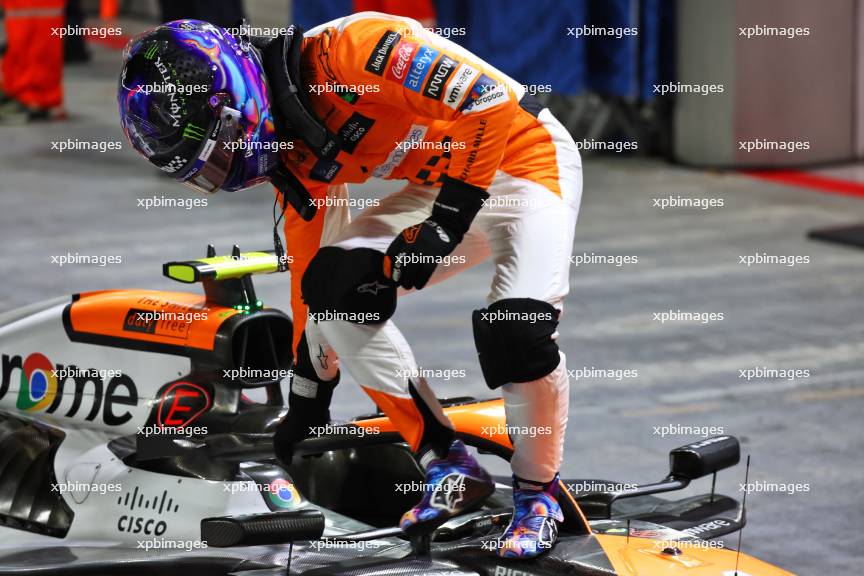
(453, 485)
(533, 530)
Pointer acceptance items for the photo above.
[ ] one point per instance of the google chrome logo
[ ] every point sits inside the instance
(38, 384)
(283, 494)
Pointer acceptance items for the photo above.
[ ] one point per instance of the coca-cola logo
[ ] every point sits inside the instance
(404, 52)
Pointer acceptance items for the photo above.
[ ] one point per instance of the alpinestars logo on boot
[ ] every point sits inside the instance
(449, 493)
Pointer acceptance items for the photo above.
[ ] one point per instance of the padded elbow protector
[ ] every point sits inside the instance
(350, 282)
(514, 340)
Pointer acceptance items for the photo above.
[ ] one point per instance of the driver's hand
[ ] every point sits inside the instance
(415, 253)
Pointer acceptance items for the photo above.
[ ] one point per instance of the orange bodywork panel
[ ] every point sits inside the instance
(480, 419)
(171, 318)
(644, 557)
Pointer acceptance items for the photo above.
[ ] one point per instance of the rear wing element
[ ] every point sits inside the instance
(227, 280)
(214, 267)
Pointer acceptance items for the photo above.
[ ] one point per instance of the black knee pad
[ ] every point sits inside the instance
(514, 340)
(351, 282)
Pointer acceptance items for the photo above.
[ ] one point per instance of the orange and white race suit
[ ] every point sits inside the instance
(407, 104)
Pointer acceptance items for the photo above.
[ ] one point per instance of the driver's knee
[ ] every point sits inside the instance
(515, 340)
(349, 285)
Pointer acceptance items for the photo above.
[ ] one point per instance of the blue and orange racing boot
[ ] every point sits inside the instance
(533, 529)
(453, 485)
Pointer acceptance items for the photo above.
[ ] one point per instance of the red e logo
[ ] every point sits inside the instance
(182, 403)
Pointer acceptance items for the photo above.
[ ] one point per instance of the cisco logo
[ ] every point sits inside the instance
(142, 522)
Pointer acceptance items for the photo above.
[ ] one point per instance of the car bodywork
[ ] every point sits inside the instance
(89, 484)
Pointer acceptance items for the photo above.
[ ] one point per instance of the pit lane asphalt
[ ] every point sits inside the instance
(808, 430)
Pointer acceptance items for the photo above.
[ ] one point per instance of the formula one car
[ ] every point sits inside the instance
(89, 484)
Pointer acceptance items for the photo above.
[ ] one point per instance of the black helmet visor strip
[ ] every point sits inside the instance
(213, 166)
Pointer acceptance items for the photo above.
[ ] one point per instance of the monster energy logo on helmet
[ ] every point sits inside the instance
(193, 132)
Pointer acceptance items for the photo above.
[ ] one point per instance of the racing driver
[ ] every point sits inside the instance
(490, 173)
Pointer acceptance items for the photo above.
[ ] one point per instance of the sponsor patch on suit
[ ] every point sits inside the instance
(378, 59)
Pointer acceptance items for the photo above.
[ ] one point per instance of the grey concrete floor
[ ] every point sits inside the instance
(809, 317)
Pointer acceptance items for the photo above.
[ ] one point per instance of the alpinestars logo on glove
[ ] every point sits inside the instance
(371, 288)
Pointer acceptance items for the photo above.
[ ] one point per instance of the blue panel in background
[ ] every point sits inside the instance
(525, 40)
(612, 59)
(310, 14)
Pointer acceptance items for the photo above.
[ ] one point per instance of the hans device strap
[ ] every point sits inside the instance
(281, 59)
(293, 192)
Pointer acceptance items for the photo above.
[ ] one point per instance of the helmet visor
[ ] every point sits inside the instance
(213, 165)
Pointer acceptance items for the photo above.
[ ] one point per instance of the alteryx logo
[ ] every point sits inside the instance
(44, 386)
(420, 67)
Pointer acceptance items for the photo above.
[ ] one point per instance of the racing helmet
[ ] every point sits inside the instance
(194, 101)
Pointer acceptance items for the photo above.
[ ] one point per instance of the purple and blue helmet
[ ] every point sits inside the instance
(194, 101)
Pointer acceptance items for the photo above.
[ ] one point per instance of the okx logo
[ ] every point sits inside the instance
(44, 386)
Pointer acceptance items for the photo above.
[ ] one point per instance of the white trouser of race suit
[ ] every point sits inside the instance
(528, 230)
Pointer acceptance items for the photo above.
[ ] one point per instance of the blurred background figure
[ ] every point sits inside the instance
(75, 49)
(421, 10)
(222, 13)
(32, 87)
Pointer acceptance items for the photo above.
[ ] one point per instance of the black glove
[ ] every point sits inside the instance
(415, 253)
(308, 405)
